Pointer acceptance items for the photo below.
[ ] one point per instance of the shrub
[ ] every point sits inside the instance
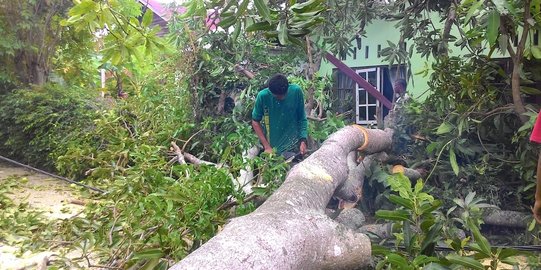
(39, 123)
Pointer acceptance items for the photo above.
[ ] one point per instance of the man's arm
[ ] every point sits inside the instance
(259, 132)
(257, 115)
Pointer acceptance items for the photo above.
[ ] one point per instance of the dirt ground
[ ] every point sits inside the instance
(43, 193)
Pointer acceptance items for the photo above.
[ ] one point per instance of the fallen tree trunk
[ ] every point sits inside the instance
(506, 218)
(290, 230)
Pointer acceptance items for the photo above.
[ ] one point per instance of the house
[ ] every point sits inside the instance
(366, 61)
(164, 11)
(162, 14)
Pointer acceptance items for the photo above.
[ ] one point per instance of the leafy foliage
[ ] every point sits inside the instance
(419, 227)
(471, 135)
(40, 123)
(19, 224)
(30, 35)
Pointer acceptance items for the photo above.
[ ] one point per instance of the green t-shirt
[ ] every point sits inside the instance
(285, 119)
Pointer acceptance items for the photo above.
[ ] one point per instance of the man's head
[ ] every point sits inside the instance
(278, 85)
(400, 86)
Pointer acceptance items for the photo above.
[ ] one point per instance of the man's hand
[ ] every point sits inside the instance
(268, 150)
(537, 211)
(302, 147)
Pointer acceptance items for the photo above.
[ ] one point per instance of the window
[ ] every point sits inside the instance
(366, 104)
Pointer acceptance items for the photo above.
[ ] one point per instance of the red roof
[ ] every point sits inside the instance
(161, 9)
(165, 12)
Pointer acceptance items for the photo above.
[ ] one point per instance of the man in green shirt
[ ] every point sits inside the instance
(278, 117)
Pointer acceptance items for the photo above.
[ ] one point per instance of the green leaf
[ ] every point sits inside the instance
(429, 207)
(469, 198)
(115, 59)
(151, 264)
(506, 253)
(379, 250)
(82, 8)
(479, 239)
(242, 7)
(467, 262)
(259, 191)
(282, 33)
(429, 242)
(532, 225)
(445, 127)
(423, 259)
(148, 254)
(409, 240)
(503, 41)
(401, 201)
(147, 18)
(236, 31)
(227, 22)
(260, 26)
(226, 153)
(536, 52)
(397, 260)
(472, 10)
(452, 159)
(431, 147)
(263, 9)
(396, 215)
(493, 28)
(306, 6)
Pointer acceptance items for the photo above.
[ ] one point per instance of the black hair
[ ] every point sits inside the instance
(401, 82)
(278, 84)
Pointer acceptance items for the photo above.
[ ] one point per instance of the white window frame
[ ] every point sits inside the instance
(365, 107)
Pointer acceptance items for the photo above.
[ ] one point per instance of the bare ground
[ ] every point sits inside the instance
(45, 194)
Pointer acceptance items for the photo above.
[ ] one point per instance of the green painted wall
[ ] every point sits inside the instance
(378, 33)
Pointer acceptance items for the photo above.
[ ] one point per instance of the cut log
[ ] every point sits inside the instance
(352, 218)
(382, 231)
(506, 218)
(290, 230)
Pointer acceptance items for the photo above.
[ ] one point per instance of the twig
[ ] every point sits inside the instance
(112, 258)
(178, 152)
(128, 128)
(148, 232)
(325, 118)
(77, 202)
(250, 75)
(229, 204)
(189, 139)
(437, 160)
(59, 243)
(196, 161)
(78, 213)
(103, 266)
(116, 216)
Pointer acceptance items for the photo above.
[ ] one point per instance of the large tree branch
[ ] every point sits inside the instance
(290, 230)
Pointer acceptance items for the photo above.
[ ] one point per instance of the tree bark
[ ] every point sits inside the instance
(221, 103)
(290, 230)
(517, 58)
(506, 218)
